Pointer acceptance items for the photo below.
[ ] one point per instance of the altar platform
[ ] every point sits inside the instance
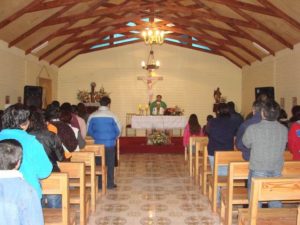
(139, 145)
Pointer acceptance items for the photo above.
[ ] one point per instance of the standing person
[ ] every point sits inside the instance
(19, 202)
(158, 107)
(294, 134)
(192, 128)
(53, 148)
(256, 118)
(105, 128)
(235, 116)
(267, 141)
(208, 118)
(35, 164)
(221, 131)
(82, 112)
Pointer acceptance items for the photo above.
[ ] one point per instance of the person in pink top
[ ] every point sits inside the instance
(192, 128)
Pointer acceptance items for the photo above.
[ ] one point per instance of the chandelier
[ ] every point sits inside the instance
(153, 36)
(152, 64)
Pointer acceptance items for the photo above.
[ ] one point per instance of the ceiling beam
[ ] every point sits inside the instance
(111, 46)
(38, 26)
(100, 12)
(89, 45)
(263, 28)
(66, 41)
(208, 26)
(245, 6)
(69, 24)
(55, 4)
(115, 22)
(280, 13)
(246, 35)
(19, 13)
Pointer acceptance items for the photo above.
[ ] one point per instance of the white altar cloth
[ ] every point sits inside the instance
(158, 122)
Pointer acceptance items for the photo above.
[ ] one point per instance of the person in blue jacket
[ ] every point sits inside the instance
(35, 162)
(105, 128)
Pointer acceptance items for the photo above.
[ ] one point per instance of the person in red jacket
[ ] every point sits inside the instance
(294, 140)
(294, 134)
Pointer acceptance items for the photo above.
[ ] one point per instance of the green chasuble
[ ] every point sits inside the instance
(154, 106)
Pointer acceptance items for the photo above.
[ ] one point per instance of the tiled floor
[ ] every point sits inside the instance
(153, 189)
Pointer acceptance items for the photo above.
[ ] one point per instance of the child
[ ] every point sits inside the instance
(20, 204)
(267, 142)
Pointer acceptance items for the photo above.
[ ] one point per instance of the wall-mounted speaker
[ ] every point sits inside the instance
(269, 91)
(33, 96)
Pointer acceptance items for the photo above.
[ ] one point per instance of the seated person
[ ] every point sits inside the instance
(158, 107)
(20, 204)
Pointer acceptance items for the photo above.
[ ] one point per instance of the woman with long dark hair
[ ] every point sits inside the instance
(192, 128)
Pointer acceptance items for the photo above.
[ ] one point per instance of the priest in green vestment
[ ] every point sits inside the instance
(158, 107)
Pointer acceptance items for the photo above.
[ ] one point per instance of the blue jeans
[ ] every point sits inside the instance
(51, 201)
(222, 171)
(110, 163)
(254, 173)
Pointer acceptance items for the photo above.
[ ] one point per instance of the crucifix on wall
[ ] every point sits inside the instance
(150, 80)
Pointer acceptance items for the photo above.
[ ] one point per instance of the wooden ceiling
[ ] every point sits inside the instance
(243, 31)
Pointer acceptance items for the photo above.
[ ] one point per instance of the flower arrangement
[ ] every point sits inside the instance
(158, 138)
(175, 111)
(94, 96)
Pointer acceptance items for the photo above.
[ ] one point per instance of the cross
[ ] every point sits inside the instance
(150, 80)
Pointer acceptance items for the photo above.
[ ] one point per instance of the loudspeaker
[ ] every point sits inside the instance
(33, 96)
(269, 91)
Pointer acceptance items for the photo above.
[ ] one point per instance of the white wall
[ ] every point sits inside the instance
(281, 71)
(18, 70)
(190, 77)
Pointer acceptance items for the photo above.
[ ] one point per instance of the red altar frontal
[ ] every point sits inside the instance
(139, 145)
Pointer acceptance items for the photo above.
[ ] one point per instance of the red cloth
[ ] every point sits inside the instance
(294, 140)
(187, 135)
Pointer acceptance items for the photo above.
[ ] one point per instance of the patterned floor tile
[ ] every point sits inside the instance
(153, 189)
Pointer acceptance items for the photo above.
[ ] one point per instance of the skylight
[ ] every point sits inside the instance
(118, 35)
(134, 32)
(131, 24)
(201, 46)
(100, 45)
(125, 40)
(145, 19)
(172, 40)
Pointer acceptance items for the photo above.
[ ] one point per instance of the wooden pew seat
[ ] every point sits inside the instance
(271, 216)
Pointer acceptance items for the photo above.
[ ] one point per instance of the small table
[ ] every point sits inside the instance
(158, 122)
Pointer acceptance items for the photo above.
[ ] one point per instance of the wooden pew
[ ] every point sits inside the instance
(88, 158)
(99, 151)
(192, 143)
(200, 144)
(58, 184)
(268, 189)
(238, 195)
(77, 194)
(205, 171)
(298, 216)
(222, 158)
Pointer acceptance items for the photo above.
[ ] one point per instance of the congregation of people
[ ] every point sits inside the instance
(32, 142)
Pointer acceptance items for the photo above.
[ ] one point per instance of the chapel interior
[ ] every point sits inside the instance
(74, 48)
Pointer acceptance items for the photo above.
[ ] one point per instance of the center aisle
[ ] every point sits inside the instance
(153, 189)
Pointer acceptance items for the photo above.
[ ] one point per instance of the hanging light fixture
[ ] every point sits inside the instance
(153, 36)
(152, 64)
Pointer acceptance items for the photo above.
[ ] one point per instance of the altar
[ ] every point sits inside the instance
(158, 122)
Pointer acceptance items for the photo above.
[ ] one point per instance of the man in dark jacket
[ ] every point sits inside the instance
(105, 128)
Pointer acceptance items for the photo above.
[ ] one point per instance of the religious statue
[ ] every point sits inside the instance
(217, 95)
(93, 85)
